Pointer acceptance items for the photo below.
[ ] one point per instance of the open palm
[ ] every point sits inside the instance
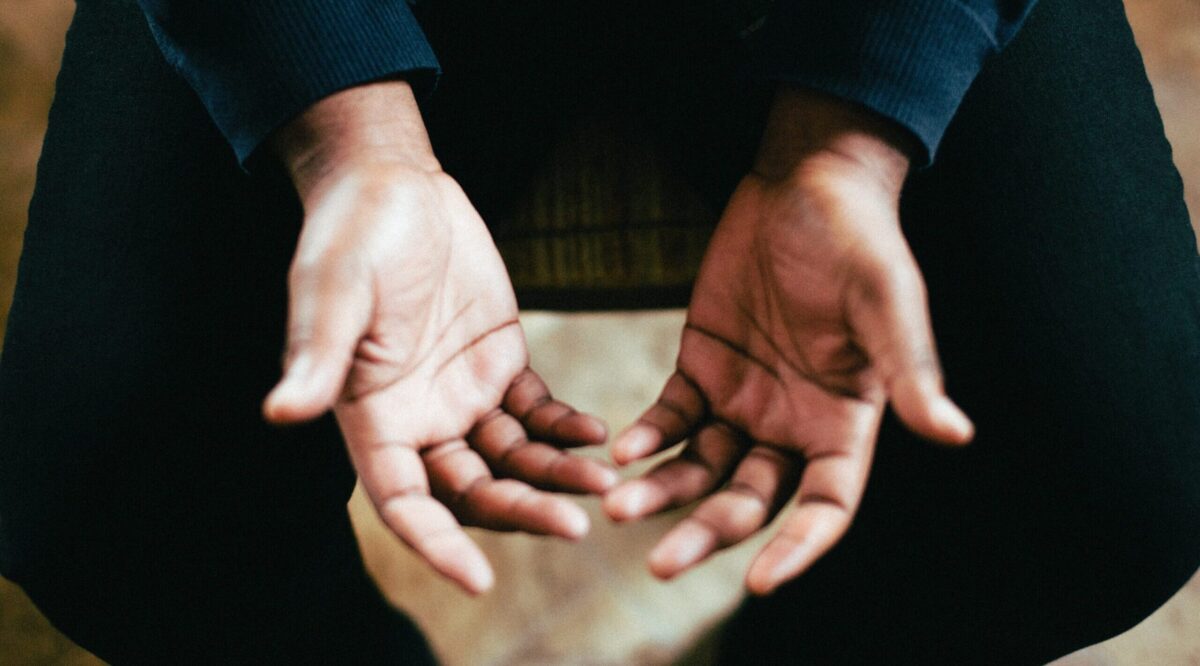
(808, 314)
(404, 321)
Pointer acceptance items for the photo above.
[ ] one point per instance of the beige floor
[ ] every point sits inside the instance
(562, 603)
(555, 603)
(593, 603)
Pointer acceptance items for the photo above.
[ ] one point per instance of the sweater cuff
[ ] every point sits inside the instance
(909, 60)
(257, 64)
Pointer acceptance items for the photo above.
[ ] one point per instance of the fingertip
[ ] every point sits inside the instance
(604, 479)
(284, 406)
(575, 524)
(958, 428)
(945, 423)
(613, 509)
(270, 409)
(634, 443)
(928, 412)
(759, 586)
(660, 567)
(661, 562)
(626, 502)
(678, 552)
(593, 431)
(476, 577)
(580, 430)
(780, 561)
(585, 476)
(480, 584)
(307, 390)
(762, 578)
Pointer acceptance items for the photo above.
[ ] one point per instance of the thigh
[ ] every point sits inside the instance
(145, 506)
(1065, 291)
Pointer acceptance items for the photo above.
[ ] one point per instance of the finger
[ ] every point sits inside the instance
(761, 484)
(678, 411)
(703, 465)
(890, 314)
(830, 489)
(395, 480)
(548, 419)
(460, 479)
(509, 505)
(328, 312)
(503, 444)
(430, 529)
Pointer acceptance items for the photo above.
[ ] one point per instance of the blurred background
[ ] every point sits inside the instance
(558, 603)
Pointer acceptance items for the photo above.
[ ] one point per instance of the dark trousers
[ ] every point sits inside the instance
(152, 516)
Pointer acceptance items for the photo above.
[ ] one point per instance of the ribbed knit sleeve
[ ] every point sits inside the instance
(258, 63)
(910, 60)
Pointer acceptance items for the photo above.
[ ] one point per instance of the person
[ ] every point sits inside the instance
(153, 516)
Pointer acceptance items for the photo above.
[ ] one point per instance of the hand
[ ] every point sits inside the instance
(403, 320)
(808, 315)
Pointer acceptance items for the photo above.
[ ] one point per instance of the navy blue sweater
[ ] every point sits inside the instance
(258, 63)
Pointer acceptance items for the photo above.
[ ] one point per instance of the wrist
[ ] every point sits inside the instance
(808, 130)
(372, 124)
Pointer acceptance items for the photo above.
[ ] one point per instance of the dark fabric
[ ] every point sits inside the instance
(148, 511)
(910, 60)
(144, 505)
(1065, 290)
(258, 64)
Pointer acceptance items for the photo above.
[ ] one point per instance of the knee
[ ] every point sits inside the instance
(1109, 591)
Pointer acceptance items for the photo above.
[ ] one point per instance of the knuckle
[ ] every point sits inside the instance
(734, 517)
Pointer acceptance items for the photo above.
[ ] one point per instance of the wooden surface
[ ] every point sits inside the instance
(554, 603)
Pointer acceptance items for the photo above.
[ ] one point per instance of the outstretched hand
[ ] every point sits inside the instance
(808, 316)
(403, 321)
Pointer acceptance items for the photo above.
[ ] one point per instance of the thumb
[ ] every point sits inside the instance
(328, 313)
(890, 315)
